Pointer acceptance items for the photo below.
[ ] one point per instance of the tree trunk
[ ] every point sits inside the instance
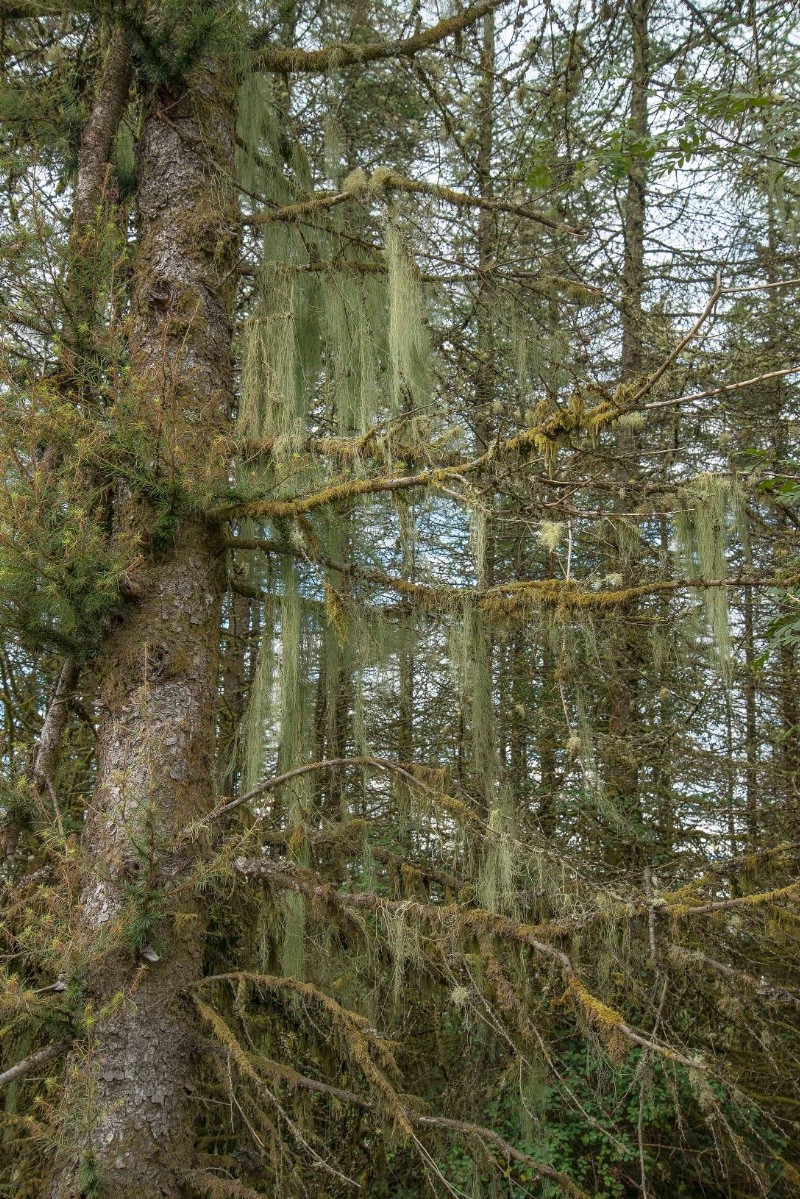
(633, 277)
(751, 723)
(127, 1119)
(622, 778)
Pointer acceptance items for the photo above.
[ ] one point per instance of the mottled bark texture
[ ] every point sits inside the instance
(127, 1117)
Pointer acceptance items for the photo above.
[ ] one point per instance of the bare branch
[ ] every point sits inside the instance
(718, 391)
(308, 767)
(46, 755)
(651, 381)
(43, 1057)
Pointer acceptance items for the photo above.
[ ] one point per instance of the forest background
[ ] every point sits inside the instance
(398, 563)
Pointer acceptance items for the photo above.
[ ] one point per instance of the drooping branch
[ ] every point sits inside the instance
(307, 768)
(341, 834)
(409, 1117)
(767, 990)
(792, 891)
(372, 1055)
(506, 1148)
(506, 598)
(448, 917)
(30, 12)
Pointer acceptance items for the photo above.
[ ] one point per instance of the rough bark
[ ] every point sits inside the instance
(158, 671)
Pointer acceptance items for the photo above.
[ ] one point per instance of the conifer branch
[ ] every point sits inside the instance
(394, 182)
(360, 1039)
(30, 12)
(448, 917)
(652, 379)
(291, 213)
(280, 780)
(230, 1042)
(762, 986)
(286, 509)
(293, 1078)
(505, 1147)
(339, 834)
(792, 891)
(507, 596)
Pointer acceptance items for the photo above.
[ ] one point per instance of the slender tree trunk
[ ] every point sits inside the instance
(90, 201)
(484, 377)
(636, 196)
(751, 722)
(775, 406)
(238, 643)
(127, 1118)
(517, 719)
(623, 775)
(790, 732)
(483, 714)
(546, 732)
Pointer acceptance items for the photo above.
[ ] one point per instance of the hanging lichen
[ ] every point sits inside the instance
(496, 879)
(269, 402)
(409, 351)
(403, 942)
(702, 521)
(253, 734)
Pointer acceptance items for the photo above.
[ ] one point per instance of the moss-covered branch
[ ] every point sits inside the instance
(349, 54)
(384, 181)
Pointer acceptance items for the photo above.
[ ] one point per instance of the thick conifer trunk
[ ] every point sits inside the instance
(127, 1118)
